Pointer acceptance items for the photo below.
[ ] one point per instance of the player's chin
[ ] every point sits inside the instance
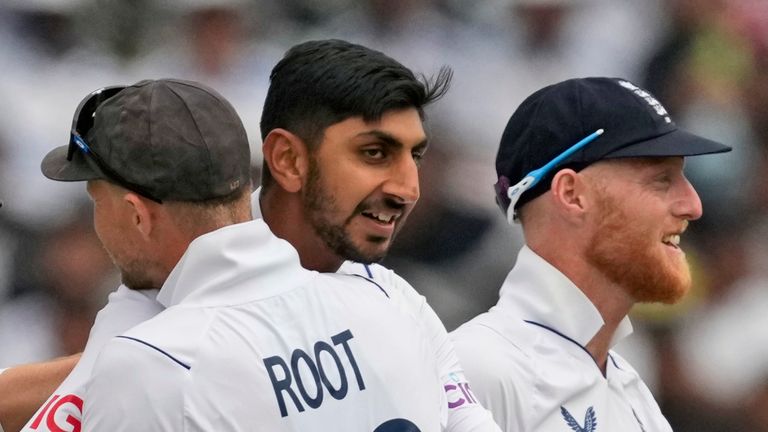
(669, 285)
(372, 249)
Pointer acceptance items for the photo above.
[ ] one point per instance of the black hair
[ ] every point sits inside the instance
(320, 83)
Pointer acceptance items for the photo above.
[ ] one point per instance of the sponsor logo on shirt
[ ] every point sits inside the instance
(590, 420)
(459, 393)
(60, 414)
(324, 364)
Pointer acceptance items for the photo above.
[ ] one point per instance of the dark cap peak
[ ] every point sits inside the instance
(169, 139)
(554, 118)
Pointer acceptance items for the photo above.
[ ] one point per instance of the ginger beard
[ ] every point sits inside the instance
(629, 256)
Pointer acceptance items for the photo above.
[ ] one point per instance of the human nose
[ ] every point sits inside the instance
(688, 205)
(403, 182)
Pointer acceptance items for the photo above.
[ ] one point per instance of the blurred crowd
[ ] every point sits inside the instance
(706, 359)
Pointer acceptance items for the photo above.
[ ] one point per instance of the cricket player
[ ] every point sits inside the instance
(593, 170)
(249, 339)
(303, 215)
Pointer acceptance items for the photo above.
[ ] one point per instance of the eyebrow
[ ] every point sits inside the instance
(392, 141)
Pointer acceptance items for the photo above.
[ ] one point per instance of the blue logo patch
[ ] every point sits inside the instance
(590, 420)
(397, 425)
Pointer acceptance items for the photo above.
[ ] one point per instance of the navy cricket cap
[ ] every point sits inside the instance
(558, 116)
(165, 139)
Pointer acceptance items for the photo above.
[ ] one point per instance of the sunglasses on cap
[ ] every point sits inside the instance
(82, 123)
(507, 196)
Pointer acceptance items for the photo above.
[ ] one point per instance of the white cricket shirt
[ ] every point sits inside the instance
(126, 308)
(63, 409)
(527, 361)
(465, 412)
(251, 341)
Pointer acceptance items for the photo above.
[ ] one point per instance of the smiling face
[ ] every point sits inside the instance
(363, 182)
(644, 204)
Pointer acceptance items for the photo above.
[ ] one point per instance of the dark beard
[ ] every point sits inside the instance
(624, 254)
(317, 204)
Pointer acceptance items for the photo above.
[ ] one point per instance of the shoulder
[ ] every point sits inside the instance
(489, 352)
(375, 272)
(622, 363)
(132, 353)
(174, 336)
(385, 277)
(629, 377)
(350, 285)
(126, 308)
(128, 379)
(635, 389)
(503, 374)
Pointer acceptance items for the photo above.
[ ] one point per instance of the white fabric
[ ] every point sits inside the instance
(465, 413)
(63, 410)
(527, 361)
(252, 341)
(127, 308)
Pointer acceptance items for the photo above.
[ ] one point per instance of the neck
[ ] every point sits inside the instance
(600, 344)
(611, 300)
(284, 214)
(163, 256)
(613, 303)
(183, 223)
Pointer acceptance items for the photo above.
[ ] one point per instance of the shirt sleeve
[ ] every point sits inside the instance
(125, 309)
(465, 412)
(135, 386)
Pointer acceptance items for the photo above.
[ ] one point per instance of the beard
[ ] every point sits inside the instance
(135, 280)
(628, 256)
(318, 205)
(134, 273)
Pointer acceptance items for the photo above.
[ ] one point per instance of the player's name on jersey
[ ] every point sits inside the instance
(326, 367)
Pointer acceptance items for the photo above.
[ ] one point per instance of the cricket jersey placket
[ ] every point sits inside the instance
(540, 329)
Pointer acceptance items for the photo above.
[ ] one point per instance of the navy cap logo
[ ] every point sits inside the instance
(652, 101)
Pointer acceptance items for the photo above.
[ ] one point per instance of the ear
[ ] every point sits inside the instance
(141, 214)
(287, 157)
(569, 194)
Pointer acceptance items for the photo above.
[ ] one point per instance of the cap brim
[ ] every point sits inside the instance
(55, 166)
(675, 143)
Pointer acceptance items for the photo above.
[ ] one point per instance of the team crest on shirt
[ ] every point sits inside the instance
(590, 420)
